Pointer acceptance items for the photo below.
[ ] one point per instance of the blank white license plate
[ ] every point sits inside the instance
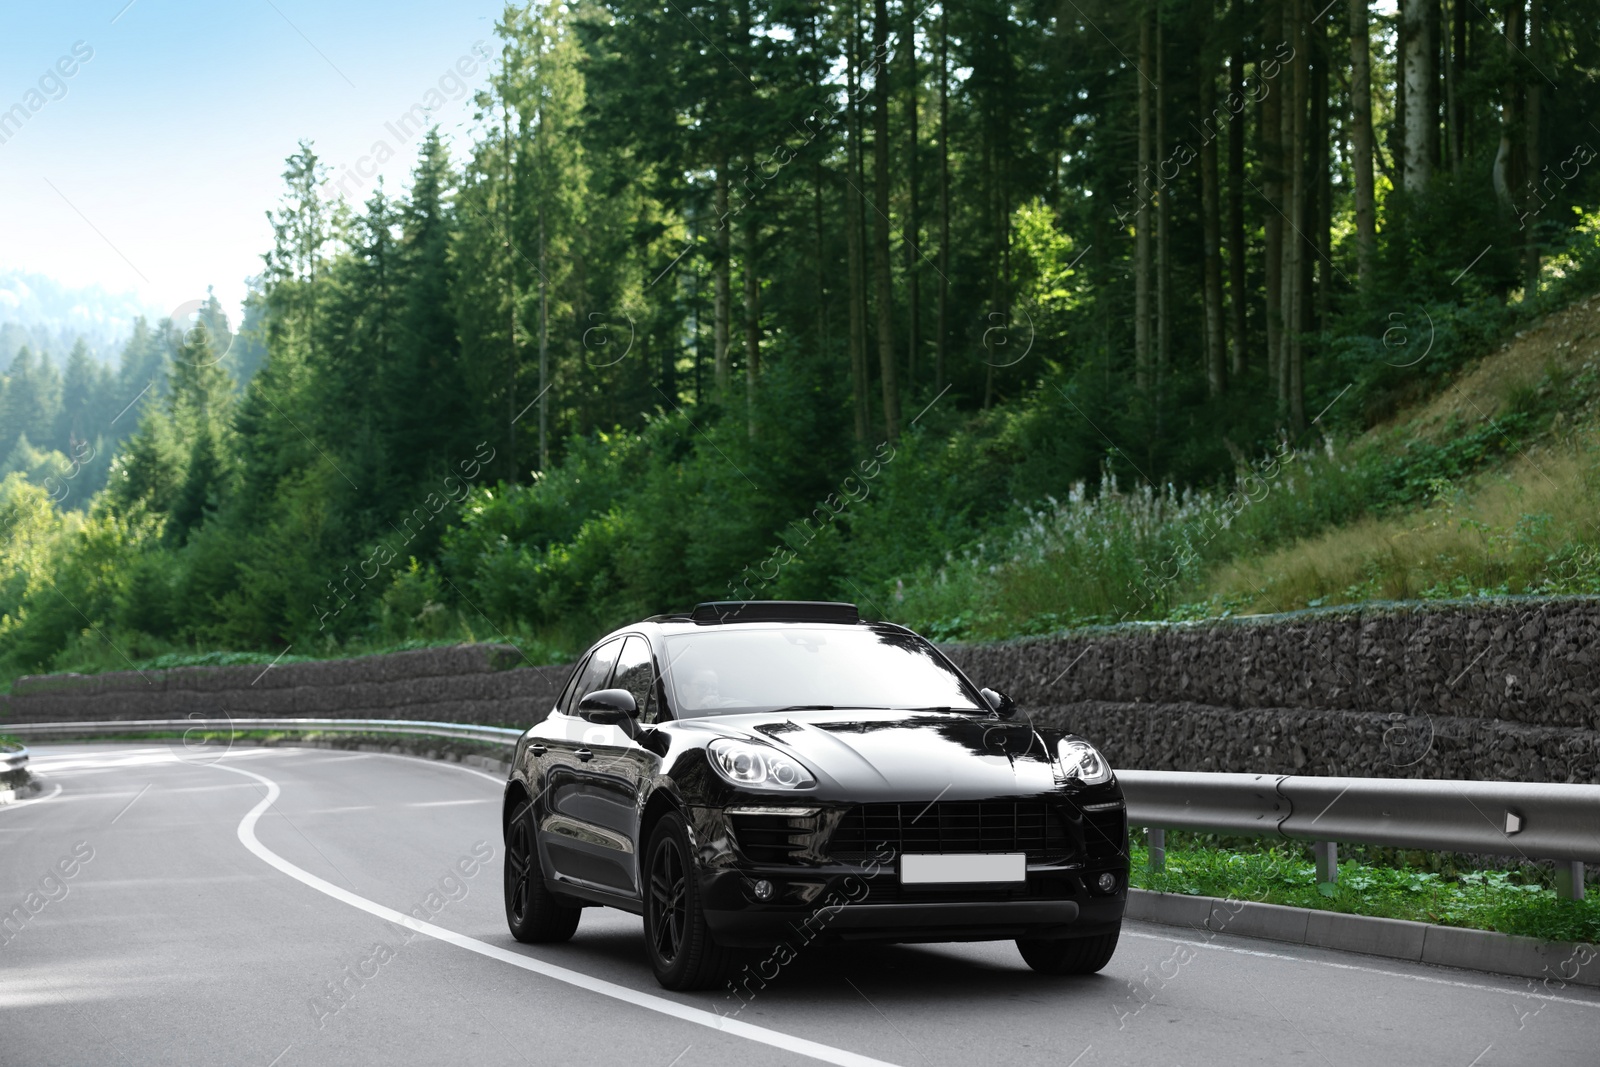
(982, 867)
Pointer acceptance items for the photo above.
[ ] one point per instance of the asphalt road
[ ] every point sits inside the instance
(191, 906)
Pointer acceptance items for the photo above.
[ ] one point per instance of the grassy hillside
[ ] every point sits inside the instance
(1526, 522)
(1489, 485)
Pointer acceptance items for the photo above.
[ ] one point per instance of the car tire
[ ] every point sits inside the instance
(533, 913)
(682, 952)
(1078, 955)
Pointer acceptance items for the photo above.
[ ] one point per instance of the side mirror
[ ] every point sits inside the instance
(1002, 705)
(609, 707)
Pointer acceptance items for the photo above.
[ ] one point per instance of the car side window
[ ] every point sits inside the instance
(593, 675)
(636, 672)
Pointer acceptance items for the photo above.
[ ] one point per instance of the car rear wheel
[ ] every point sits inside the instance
(682, 951)
(532, 912)
(1078, 955)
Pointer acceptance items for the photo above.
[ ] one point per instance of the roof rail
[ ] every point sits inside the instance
(719, 611)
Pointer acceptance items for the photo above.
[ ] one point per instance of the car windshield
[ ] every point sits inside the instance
(716, 671)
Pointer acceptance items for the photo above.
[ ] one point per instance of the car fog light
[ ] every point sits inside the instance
(762, 889)
(1106, 883)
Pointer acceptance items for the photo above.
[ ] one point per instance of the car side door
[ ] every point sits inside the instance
(609, 796)
(565, 842)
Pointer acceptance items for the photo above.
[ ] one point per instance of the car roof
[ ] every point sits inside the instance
(755, 614)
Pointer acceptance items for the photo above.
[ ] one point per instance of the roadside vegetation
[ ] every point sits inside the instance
(811, 322)
(1420, 887)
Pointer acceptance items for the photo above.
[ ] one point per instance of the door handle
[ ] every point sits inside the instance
(584, 755)
(537, 750)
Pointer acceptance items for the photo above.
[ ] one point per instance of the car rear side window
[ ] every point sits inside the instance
(594, 675)
(636, 672)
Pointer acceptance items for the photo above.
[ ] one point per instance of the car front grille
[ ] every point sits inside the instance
(952, 826)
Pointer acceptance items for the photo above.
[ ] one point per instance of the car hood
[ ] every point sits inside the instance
(901, 755)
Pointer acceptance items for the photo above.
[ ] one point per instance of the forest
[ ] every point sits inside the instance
(876, 301)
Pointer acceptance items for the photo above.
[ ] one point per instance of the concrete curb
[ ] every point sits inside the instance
(1554, 963)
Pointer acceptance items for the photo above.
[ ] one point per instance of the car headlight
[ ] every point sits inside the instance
(744, 763)
(1080, 760)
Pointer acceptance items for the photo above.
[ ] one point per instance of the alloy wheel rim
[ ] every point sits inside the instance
(518, 866)
(668, 901)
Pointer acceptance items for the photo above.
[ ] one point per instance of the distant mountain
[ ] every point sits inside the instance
(48, 316)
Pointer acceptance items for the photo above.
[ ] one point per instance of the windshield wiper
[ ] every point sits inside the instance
(806, 707)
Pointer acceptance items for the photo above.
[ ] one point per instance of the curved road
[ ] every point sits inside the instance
(165, 905)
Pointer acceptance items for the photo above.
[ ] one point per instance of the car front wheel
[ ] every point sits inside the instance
(1078, 955)
(682, 951)
(532, 912)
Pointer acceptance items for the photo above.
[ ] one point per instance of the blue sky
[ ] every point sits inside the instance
(149, 169)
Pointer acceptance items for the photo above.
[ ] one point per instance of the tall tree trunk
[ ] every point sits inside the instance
(1435, 85)
(512, 360)
(1361, 142)
(822, 256)
(1455, 52)
(944, 199)
(1530, 140)
(853, 225)
(752, 321)
(1141, 248)
(1272, 191)
(1397, 129)
(884, 289)
(721, 298)
(1420, 120)
(696, 329)
(544, 350)
(1505, 164)
(1236, 269)
(913, 228)
(1211, 229)
(1163, 230)
(1321, 139)
(1292, 395)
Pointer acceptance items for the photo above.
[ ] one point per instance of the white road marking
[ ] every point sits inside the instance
(787, 1042)
(1366, 970)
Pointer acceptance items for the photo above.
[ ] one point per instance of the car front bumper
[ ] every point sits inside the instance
(844, 906)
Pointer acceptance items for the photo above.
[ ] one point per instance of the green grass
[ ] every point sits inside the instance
(1512, 902)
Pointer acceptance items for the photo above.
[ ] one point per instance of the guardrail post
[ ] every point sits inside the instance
(1156, 839)
(1327, 854)
(1569, 879)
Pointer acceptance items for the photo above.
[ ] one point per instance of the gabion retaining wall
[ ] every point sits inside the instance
(491, 685)
(1493, 690)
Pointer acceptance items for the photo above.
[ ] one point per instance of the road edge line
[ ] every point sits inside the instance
(698, 1016)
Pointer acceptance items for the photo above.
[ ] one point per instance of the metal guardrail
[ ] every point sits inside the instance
(498, 735)
(1496, 818)
(1530, 820)
(1526, 819)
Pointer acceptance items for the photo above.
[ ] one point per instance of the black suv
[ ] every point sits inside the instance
(763, 772)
